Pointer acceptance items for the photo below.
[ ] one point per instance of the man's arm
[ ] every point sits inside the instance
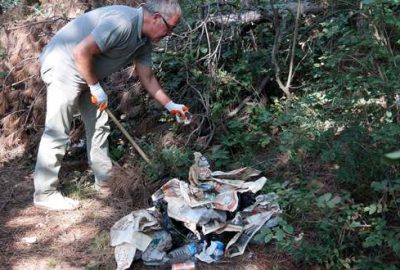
(151, 84)
(84, 54)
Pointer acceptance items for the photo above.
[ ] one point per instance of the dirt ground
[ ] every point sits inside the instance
(36, 239)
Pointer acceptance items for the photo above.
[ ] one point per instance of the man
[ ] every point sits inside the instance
(82, 53)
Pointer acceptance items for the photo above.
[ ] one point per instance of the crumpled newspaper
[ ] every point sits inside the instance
(156, 254)
(127, 235)
(208, 195)
(202, 201)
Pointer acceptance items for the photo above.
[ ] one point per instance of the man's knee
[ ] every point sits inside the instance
(55, 134)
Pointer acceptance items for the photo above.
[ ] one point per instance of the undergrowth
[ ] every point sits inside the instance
(324, 148)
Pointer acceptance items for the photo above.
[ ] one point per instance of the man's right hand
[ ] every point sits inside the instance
(99, 96)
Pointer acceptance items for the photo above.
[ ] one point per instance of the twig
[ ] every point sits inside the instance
(33, 23)
(14, 67)
(253, 39)
(23, 111)
(217, 50)
(298, 64)
(296, 31)
(275, 47)
(285, 88)
(238, 108)
(203, 101)
(206, 106)
(23, 80)
(33, 102)
(209, 46)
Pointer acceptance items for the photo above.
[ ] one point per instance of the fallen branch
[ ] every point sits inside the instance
(255, 16)
(206, 104)
(238, 18)
(39, 22)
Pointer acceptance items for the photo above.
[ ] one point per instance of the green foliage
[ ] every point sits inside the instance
(116, 152)
(345, 119)
(79, 186)
(177, 161)
(3, 53)
(327, 200)
(220, 158)
(172, 162)
(3, 74)
(100, 249)
(327, 150)
(9, 3)
(328, 229)
(279, 233)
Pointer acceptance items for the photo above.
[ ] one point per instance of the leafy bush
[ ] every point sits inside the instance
(324, 148)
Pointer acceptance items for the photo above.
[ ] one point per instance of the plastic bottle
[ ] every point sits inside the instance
(184, 253)
(219, 251)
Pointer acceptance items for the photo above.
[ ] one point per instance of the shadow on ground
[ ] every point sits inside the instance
(37, 239)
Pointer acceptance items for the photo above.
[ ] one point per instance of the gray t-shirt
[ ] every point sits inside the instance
(117, 31)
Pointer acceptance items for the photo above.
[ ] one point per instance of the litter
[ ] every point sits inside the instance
(189, 219)
(156, 254)
(184, 253)
(213, 253)
(188, 265)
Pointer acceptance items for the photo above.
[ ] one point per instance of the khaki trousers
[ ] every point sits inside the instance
(62, 102)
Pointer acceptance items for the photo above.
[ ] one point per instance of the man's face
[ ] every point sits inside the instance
(163, 27)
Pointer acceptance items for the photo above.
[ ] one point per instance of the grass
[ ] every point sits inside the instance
(52, 264)
(79, 185)
(102, 251)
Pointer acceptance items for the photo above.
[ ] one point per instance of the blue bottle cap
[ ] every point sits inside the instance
(220, 245)
(192, 248)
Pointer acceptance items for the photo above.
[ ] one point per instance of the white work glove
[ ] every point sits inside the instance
(99, 97)
(180, 111)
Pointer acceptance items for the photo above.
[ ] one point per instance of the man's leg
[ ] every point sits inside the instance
(60, 104)
(97, 131)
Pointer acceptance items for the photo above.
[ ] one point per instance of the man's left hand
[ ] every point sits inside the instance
(180, 111)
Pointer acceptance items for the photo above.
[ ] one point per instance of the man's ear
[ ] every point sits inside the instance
(157, 15)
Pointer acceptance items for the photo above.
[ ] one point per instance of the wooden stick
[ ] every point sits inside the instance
(125, 132)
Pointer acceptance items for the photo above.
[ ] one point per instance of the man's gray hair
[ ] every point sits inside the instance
(167, 8)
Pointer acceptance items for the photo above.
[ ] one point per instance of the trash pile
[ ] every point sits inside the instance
(212, 216)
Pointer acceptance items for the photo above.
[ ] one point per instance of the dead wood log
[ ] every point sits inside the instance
(256, 16)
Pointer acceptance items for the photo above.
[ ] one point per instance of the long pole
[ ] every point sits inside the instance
(129, 137)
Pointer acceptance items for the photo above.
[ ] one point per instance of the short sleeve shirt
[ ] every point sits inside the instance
(117, 31)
